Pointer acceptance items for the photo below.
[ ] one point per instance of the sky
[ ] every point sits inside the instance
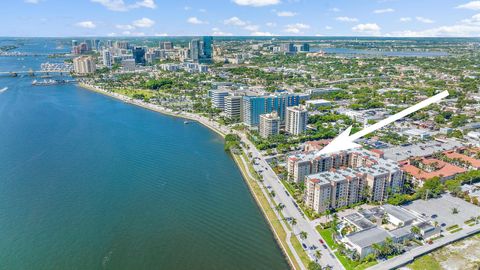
(399, 18)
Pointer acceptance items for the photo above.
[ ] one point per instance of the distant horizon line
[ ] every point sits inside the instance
(242, 36)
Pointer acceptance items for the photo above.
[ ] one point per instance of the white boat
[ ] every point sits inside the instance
(3, 89)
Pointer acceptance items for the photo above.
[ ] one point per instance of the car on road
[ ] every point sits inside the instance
(321, 241)
(286, 192)
(434, 216)
(443, 224)
(304, 246)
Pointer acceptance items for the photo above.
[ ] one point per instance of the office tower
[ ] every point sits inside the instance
(287, 47)
(109, 43)
(296, 120)
(139, 55)
(195, 50)
(84, 65)
(89, 44)
(107, 58)
(305, 47)
(269, 125)
(218, 98)
(233, 107)
(206, 50)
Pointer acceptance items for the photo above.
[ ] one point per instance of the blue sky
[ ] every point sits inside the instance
(240, 17)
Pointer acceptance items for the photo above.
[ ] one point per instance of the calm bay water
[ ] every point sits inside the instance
(88, 182)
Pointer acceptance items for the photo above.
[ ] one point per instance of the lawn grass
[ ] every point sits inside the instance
(269, 213)
(426, 262)
(353, 265)
(456, 230)
(327, 235)
(451, 228)
(298, 246)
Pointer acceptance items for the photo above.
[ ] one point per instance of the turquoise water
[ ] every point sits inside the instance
(88, 182)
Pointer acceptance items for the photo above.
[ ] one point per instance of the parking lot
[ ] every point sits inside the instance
(442, 208)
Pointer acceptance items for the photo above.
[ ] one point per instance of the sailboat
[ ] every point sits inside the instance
(3, 89)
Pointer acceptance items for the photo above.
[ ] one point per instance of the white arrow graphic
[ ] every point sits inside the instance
(345, 141)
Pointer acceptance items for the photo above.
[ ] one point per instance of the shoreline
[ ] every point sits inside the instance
(156, 108)
(206, 123)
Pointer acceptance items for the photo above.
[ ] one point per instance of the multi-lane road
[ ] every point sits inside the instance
(291, 210)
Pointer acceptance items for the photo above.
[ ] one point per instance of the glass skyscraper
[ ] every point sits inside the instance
(254, 106)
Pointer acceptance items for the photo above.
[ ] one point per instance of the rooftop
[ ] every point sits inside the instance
(368, 237)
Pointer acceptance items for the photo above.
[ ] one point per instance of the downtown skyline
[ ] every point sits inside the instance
(125, 18)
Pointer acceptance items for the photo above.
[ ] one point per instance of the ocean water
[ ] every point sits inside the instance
(88, 182)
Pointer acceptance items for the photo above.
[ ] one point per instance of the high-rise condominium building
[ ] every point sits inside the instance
(254, 106)
(195, 50)
(269, 124)
(166, 45)
(344, 178)
(107, 58)
(296, 120)
(84, 65)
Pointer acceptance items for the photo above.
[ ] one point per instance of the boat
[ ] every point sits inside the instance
(186, 122)
(50, 82)
(3, 89)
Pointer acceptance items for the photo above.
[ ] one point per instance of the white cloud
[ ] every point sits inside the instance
(286, 14)
(143, 23)
(346, 19)
(32, 1)
(271, 24)
(86, 24)
(405, 19)
(367, 29)
(195, 20)
(265, 34)
(112, 34)
(119, 5)
(296, 28)
(381, 11)
(466, 28)
(125, 26)
(473, 5)
(217, 32)
(256, 3)
(335, 9)
(187, 8)
(328, 27)
(251, 28)
(235, 21)
(424, 20)
(161, 34)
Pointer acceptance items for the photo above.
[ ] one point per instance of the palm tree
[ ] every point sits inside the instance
(317, 254)
(293, 221)
(377, 249)
(415, 230)
(272, 193)
(303, 235)
(454, 210)
(280, 207)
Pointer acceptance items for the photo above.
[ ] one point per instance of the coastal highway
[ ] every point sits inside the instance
(291, 211)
